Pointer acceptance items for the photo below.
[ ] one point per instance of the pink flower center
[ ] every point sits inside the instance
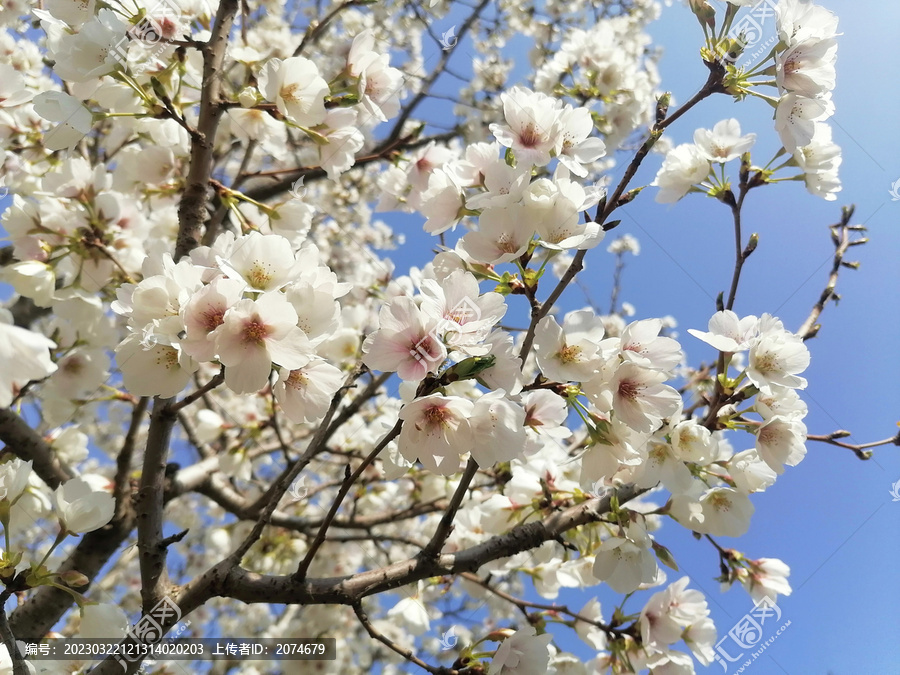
(73, 365)
(212, 318)
(255, 331)
(297, 379)
(529, 137)
(629, 390)
(720, 502)
(569, 353)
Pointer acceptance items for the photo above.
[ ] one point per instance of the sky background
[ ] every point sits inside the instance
(831, 519)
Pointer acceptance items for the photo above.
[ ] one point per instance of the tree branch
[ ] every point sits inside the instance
(9, 639)
(150, 502)
(446, 525)
(192, 209)
(252, 587)
(861, 450)
(122, 481)
(342, 492)
(840, 235)
(407, 654)
(26, 444)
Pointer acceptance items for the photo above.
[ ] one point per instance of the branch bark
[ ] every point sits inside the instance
(192, 209)
(150, 502)
(840, 235)
(27, 444)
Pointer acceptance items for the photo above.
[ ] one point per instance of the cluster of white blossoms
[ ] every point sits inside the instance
(286, 301)
(493, 182)
(691, 164)
(803, 65)
(79, 505)
(250, 303)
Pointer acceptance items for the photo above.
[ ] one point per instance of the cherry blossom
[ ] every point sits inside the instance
(73, 120)
(436, 431)
(727, 332)
(523, 653)
(625, 563)
(82, 509)
(253, 335)
(724, 143)
(305, 393)
(26, 357)
(502, 235)
(781, 441)
(405, 343)
(91, 52)
(636, 395)
(684, 166)
(573, 351)
(532, 130)
(212, 208)
(297, 88)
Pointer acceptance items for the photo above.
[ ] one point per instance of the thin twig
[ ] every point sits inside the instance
(407, 654)
(861, 450)
(840, 235)
(218, 379)
(300, 574)
(446, 525)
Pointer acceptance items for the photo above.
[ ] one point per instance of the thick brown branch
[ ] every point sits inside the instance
(25, 443)
(192, 209)
(149, 504)
(253, 587)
